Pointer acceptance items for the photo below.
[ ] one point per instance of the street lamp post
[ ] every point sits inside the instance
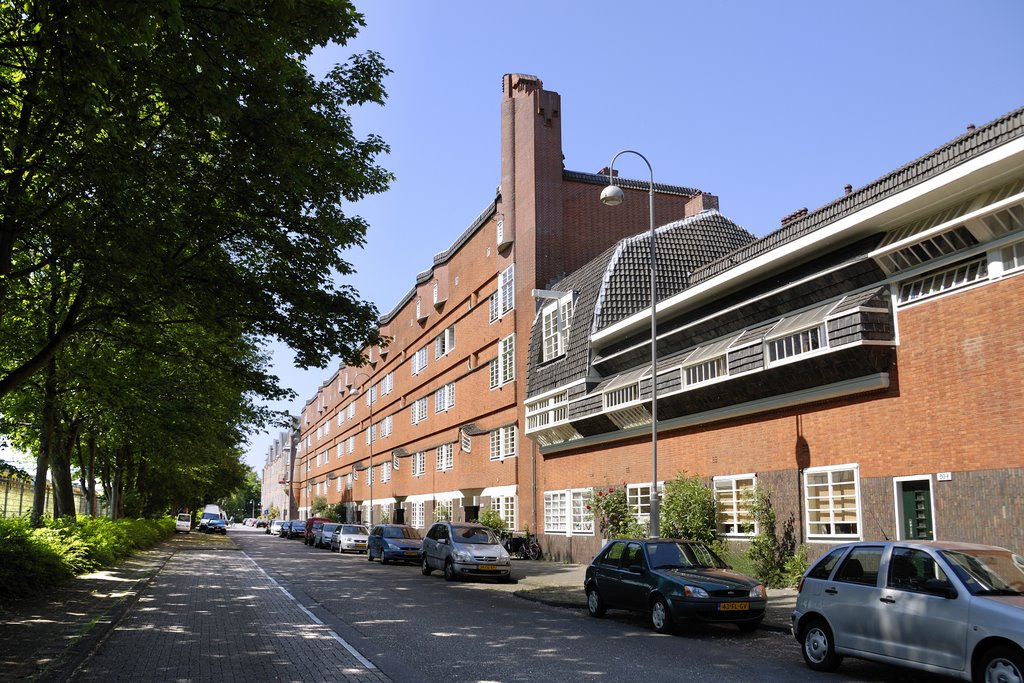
(252, 504)
(613, 196)
(369, 403)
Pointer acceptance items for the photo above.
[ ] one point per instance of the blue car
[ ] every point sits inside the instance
(394, 543)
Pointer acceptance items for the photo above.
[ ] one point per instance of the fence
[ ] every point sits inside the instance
(16, 500)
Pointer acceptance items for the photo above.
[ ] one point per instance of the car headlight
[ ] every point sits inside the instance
(388, 545)
(694, 592)
(503, 556)
(758, 591)
(463, 555)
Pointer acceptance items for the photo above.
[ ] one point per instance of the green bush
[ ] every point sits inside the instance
(492, 518)
(688, 510)
(775, 559)
(612, 515)
(32, 559)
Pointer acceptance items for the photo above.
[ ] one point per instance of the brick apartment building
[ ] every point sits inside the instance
(276, 489)
(433, 423)
(863, 363)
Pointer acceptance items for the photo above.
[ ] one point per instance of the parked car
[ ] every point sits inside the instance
(465, 549)
(394, 542)
(311, 526)
(349, 537)
(675, 581)
(948, 608)
(274, 527)
(183, 523)
(215, 526)
(210, 512)
(322, 536)
(262, 523)
(295, 528)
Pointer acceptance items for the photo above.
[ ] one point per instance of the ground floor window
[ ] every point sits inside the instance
(565, 512)
(734, 498)
(556, 512)
(638, 497)
(416, 515)
(832, 501)
(506, 507)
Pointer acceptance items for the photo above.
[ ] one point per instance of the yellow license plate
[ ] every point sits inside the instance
(410, 553)
(487, 567)
(733, 606)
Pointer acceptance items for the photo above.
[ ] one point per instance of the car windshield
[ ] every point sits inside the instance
(669, 555)
(329, 528)
(472, 534)
(184, 518)
(400, 532)
(352, 529)
(988, 571)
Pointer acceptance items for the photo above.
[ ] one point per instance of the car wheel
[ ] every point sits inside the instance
(661, 618)
(595, 603)
(818, 649)
(748, 626)
(449, 570)
(1003, 663)
(369, 556)
(425, 568)
(383, 558)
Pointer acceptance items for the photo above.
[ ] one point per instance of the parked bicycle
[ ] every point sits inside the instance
(521, 545)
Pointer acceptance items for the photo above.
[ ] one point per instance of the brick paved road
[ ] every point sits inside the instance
(213, 615)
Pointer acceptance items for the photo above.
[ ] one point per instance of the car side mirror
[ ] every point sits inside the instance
(939, 587)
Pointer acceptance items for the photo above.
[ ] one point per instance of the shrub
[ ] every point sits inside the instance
(688, 510)
(774, 559)
(612, 515)
(492, 518)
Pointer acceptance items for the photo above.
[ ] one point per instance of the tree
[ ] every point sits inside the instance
(688, 510)
(170, 165)
(178, 158)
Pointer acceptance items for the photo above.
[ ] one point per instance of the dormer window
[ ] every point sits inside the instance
(556, 320)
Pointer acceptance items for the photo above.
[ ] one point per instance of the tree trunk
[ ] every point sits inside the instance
(60, 470)
(46, 442)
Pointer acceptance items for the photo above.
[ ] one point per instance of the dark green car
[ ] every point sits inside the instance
(675, 582)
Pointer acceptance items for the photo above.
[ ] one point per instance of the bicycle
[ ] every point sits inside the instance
(524, 547)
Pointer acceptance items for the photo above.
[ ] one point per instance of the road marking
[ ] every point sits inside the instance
(345, 644)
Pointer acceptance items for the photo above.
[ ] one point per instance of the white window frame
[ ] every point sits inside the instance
(638, 498)
(548, 411)
(385, 472)
(419, 410)
(556, 321)
(385, 426)
(734, 500)
(808, 341)
(506, 507)
(444, 343)
(351, 446)
(566, 514)
(444, 398)
(351, 410)
(943, 280)
(823, 482)
(503, 442)
(419, 361)
(419, 463)
(387, 384)
(445, 457)
(503, 299)
(416, 514)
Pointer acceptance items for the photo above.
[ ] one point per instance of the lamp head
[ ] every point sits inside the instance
(612, 195)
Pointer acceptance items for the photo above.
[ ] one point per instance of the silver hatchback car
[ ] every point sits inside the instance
(465, 549)
(955, 609)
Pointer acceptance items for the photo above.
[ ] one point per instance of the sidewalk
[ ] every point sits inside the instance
(561, 585)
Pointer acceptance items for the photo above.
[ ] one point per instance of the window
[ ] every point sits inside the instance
(861, 565)
(348, 481)
(444, 342)
(419, 310)
(582, 520)
(419, 361)
(503, 299)
(385, 427)
(796, 344)
(445, 457)
(556, 512)
(351, 410)
(341, 450)
(419, 463)
(943, 281)
(341, 417)
(565, 512)
(500, 230)
(910, 568)
(327, 457)
(556, 319)
(369, 475)
(547, 411)
(387, 385)
(327, 427)
(705, 372)
(1013, 257)
(351, 446)
(434, 288)
(419, 410)
(734, 497)
(385, 473)
(503, 368)
(831, 498)
(340, 480)
(319, 432)
(503, 443)
(444, 398)
(369, 434)
(505, 506)
(371, 395)
(638, 497)
(416, 515)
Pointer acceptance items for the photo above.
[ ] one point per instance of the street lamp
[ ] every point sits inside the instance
(613, 196)
(370, 404)
(252, 504)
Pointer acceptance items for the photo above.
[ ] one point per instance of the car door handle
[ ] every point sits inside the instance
(831, 591)
(887, 599)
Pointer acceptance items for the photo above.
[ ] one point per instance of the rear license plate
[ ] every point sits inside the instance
(487, 567)
(410, 553)
(733, 606)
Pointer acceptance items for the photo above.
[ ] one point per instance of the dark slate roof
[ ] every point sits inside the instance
(628, 183)
(964, 148)
(616, 284)
(682, 247)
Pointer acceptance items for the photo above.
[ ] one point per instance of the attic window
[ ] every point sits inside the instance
(556, 320)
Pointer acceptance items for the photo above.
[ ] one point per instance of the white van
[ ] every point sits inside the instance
(183, 523)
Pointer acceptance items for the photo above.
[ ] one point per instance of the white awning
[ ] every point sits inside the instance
(801, 321)
(713, 350)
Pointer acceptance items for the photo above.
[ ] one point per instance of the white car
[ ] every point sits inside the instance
(350, 537)
(183, 523)
(465, 549)
(955, 609)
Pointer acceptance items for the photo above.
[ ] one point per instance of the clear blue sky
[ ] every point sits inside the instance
(770, 106)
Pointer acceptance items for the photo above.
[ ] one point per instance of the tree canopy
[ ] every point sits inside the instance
(174, 194)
